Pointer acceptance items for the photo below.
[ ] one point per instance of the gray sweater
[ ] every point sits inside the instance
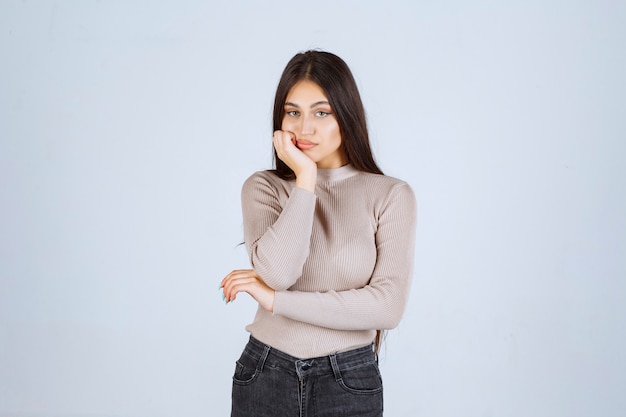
(340, 259)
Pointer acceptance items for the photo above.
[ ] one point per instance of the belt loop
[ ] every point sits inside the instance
(263, 357)
(333, 363)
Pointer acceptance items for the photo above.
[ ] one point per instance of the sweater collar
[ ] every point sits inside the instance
(336, 174)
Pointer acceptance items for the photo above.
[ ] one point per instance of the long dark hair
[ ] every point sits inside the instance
(334, 77)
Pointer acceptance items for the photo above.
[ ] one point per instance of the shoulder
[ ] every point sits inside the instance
(389, 195)
(264, 182)
(264, 177)
(385, 184)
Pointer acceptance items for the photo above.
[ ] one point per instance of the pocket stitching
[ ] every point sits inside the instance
(239, 366)
(365, 391)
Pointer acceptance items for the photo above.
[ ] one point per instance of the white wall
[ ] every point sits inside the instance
(127, 128)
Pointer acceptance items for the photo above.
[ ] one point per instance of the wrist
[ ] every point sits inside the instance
(307, 179)
(272, 298)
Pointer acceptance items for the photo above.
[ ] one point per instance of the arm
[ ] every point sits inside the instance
(277, 238)
(380, 304)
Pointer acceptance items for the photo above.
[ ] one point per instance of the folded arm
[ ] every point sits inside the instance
(380, 304)
(277, 238)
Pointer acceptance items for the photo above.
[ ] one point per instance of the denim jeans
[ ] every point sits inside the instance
(270, 383)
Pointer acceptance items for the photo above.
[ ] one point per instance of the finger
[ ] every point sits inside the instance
(284, 136)
(232, 278)
(246, 287)
(248, 273)
(237, 285)
(283, 140)
(236, 274)
(228, 288)
(290, 137)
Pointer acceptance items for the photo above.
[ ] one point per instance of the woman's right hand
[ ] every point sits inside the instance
(303, 166)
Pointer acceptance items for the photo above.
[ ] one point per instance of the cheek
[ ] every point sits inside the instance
(335, 134)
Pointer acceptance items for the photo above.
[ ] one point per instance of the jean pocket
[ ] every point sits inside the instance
(364, 379)
(246, 369)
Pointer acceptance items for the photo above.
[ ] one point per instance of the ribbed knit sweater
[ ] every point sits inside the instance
(340, 259)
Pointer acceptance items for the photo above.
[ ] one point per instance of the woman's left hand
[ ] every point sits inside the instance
(246, 280)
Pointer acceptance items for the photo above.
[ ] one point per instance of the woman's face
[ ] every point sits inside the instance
(309, 117)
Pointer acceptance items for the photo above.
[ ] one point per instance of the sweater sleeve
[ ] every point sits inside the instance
(380, 304)
(277, 238)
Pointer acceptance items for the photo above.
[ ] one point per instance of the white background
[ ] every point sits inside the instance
(127, 129)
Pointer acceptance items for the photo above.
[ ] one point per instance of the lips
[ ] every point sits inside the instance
(305, 144)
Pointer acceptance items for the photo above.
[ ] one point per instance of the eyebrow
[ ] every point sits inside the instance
(317, 103)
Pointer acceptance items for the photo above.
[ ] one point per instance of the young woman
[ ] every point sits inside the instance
(331, 242)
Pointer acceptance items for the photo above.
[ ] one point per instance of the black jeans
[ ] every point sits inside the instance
(270, 383)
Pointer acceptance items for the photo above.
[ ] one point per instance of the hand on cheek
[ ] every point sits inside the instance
(303, 167)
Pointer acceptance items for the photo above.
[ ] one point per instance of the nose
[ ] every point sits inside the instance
(308, 126)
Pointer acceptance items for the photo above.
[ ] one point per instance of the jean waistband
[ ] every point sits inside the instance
(335, 363)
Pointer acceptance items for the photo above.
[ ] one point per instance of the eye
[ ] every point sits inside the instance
(321, 113)
(292, 113)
